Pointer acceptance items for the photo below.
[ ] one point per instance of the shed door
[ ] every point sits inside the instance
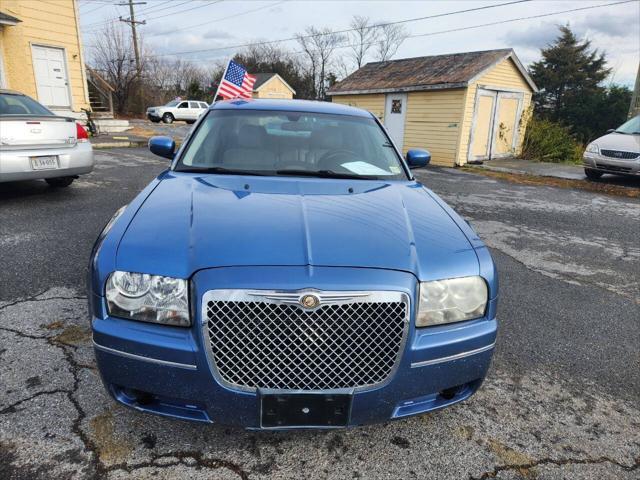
(495, 124)
(394, 114)
(482, 127)
(52, 81)
(505, 129)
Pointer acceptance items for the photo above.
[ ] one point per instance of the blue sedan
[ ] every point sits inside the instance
(288, 271)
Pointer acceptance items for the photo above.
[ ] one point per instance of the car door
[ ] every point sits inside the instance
(182, 111)
(194, 110)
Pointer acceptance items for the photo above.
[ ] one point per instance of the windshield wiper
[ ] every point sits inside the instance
(222, 171)
(325, 174)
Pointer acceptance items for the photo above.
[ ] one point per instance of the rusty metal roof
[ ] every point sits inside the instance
(453, 70)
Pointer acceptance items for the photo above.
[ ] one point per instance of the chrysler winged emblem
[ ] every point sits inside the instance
(309, 301)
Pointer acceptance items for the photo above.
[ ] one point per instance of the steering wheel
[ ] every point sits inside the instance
(333, 155)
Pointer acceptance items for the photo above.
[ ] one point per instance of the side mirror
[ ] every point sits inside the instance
(163, 147)
(611, 130)
(418, 158)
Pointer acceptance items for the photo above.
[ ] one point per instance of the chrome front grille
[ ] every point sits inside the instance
(622, 155)
(267, 340)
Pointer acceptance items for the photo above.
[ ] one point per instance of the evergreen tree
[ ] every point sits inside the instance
(569, 76)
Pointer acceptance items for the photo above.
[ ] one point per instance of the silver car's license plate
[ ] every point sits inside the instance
(44, 163)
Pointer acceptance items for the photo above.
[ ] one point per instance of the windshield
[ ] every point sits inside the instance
(292, 144)
(632, 126)
(173, 103)
(12, 104)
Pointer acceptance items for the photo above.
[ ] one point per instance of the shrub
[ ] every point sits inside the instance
(547, 141)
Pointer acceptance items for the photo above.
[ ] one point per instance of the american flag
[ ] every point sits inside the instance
(236, 83)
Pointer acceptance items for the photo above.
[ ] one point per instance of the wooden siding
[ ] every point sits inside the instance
(433, 122)
(504, 75)
(50, 23)
(373, 103)
(273, 88)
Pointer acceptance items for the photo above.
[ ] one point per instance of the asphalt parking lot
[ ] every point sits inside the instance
(561, 400)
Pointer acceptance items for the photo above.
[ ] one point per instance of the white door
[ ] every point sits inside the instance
(52, 81)
(182, 112)
(194, 110)
(394, 114)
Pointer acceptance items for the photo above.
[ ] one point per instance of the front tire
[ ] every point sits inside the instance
(167, 118)
(59, 182)
(592, 174)
(190, 122)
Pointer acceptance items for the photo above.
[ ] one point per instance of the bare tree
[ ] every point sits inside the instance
(362, 38)
(112, 56)
(390, 37)
(319, 46)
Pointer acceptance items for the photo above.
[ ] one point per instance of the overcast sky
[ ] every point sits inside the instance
(187, 25)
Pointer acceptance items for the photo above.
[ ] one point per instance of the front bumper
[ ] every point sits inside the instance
(604, 164)
(165, 370)
(15, 165)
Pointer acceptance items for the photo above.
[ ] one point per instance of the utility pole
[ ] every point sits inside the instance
(634, 108)
(136, 52)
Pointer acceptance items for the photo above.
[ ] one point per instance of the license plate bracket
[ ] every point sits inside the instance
(305, 410)
(45, 162)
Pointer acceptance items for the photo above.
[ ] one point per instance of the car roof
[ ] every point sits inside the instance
(308, 106)
(10, 92)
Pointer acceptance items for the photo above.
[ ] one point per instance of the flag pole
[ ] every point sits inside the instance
(224, 74)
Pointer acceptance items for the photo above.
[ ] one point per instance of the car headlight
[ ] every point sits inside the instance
(593, 148)
(452, 300)
(148, 298)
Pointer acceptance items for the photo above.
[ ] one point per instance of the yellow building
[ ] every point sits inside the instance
(462, 107)
(41, 52)
(271, 85)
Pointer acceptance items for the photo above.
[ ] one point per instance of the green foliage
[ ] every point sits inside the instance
(548, 141)
(194, 90)
(569, 76)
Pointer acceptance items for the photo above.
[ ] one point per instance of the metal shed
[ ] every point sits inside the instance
(462, 107)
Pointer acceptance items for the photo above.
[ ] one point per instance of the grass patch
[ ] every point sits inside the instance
(528, 179)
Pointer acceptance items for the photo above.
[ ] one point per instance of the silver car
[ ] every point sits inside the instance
(618, 152)
(187, 110)
(37, 144)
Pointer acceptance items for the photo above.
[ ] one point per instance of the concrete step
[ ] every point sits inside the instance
(110, 125)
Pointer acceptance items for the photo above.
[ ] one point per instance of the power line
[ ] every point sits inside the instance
(333, 32)
(153, 9)
(228, 17)
(185, 10)
(95, 9)
(471, 27)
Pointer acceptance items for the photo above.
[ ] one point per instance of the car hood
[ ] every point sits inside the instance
(619, 141)
(191, 222)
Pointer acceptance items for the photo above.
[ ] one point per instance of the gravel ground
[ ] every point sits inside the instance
(560, 402)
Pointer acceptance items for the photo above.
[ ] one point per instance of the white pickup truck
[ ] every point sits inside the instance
(187, 110)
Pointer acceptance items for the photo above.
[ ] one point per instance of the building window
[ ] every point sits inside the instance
(396, 106)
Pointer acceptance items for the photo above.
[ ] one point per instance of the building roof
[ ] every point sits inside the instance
(262, 78)
(6, 19)
(290, 106)
(454, 70)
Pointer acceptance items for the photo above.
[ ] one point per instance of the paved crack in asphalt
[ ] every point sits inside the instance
(525, 469)
(514, 424)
